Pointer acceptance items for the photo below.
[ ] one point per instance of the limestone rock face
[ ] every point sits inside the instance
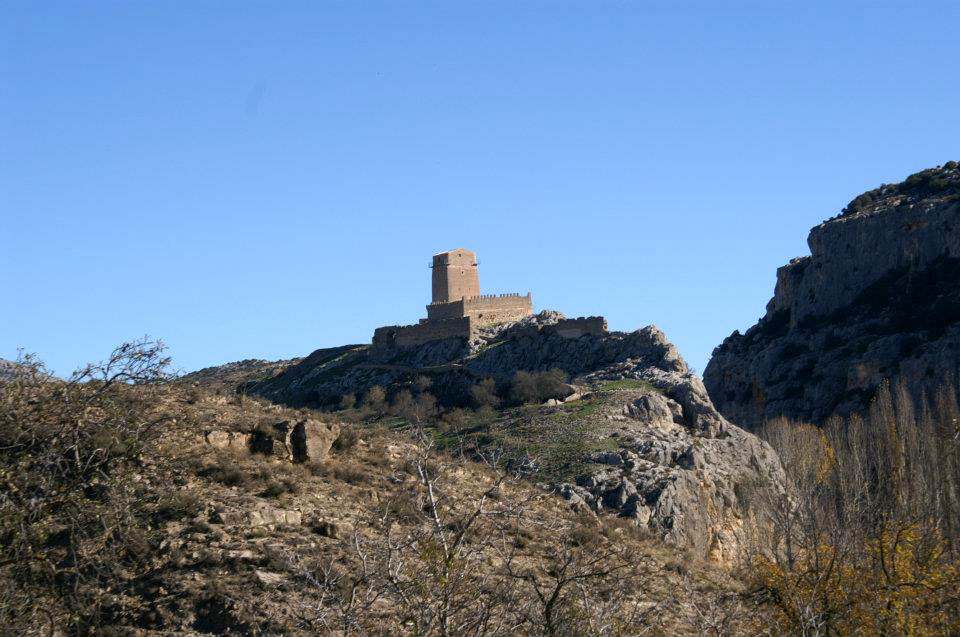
(705, 492)
(878, 298)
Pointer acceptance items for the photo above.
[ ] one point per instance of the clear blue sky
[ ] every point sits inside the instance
(260, 179)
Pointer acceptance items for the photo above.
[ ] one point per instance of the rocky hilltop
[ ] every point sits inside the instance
(636, 436)
(877, 298)
(497, 352)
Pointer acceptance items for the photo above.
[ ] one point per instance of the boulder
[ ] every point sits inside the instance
(268, 579)
(228, 440)
(654, 408)
(302, 441)
(311, 440)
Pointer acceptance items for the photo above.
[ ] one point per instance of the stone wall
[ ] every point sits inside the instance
(404, 336)
(485, 309)
(575, 328)
(439, 311)
(454, 276)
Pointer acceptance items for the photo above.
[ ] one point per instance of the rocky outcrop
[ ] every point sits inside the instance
(673, 464)
(710, 494)
(301, 441)
(497, 352)
(878, 298)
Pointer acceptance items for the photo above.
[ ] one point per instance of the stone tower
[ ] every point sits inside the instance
(455, 276)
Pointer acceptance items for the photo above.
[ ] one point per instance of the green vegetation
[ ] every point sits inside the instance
(551, 443)
(626, 383)
(537, 387)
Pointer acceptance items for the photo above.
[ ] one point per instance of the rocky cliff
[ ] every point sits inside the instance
(878, 298)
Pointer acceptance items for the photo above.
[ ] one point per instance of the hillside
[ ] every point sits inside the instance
(633, 432)
(877, 299)
(231, 375)
(132, 502)
(225, 514)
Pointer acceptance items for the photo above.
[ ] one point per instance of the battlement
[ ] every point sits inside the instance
(575, 328)
(480, 297)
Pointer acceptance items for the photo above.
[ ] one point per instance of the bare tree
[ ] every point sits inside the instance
(868, 539)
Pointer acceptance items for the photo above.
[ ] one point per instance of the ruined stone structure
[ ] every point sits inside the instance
(575, 328)
(457, 307)
(427, 330)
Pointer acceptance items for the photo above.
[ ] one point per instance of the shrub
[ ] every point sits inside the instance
(347, 401)
(374, 399)
(346, 440)
(523, 388)
(345, 472)
(277, 488)
(73, 511)
(178, 505)
(457, 418)
(529, 387)
(484, 394)
(229, 476)
(422, 383)
(414, 409)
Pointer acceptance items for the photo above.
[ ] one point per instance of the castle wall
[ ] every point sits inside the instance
(403, 336)
(489, 309)
(485, 309)
(575, 328)
(453, 309)
(454, 276)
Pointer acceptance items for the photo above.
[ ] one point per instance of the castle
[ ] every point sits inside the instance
(457, 308)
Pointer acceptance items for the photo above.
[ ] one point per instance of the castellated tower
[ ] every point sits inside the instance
(457, 308)
(454, 276)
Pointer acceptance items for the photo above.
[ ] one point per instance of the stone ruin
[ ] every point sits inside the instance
(457, 309)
